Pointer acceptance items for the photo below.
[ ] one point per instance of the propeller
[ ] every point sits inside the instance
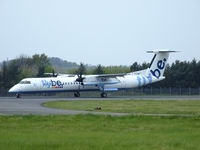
(80, 78)
(80, 72)
(54, 74)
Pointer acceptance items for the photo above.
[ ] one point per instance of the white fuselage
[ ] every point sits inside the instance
(112, 82)
(69, 84)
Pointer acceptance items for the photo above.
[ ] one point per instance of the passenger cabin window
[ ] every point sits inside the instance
(25, 82)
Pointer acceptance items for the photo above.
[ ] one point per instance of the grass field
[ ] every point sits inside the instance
(97, 132)
(132, 106)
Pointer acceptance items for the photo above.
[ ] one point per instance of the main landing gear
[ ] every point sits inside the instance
(18, 95)
(77, 94)
(103, 94)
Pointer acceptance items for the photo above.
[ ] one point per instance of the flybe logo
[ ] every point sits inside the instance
(52, 84)
(160, 66)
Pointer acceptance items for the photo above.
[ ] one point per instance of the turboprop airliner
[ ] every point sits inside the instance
(103, 83)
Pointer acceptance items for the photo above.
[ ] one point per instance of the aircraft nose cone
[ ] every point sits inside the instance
(12, 89)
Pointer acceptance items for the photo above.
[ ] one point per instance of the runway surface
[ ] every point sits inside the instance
(34, 105)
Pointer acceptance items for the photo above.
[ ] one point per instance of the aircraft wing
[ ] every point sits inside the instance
(102, 80)
(60, 74)
(110, 75)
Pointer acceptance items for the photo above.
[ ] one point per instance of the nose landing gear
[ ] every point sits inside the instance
(77, 94)
(103, 94)
(18, 95)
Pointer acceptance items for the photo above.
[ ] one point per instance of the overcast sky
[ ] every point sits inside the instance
(107, 32)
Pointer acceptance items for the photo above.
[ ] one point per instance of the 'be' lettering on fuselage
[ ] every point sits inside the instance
(157, 72)
(52, 84)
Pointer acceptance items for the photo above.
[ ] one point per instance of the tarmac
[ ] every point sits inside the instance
(34, 105)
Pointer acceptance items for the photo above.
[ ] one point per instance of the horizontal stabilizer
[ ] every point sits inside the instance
(161, 51)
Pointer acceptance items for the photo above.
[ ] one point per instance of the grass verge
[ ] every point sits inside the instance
(132, 106)
(97, 132)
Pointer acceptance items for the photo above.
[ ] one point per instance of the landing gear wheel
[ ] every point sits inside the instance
(18, 96)
(77, 94)
(103, 95)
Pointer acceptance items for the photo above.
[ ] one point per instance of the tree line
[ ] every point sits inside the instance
(23, 67)
(178, 74)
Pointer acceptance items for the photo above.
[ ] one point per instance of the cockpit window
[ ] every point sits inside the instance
(25, 82)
